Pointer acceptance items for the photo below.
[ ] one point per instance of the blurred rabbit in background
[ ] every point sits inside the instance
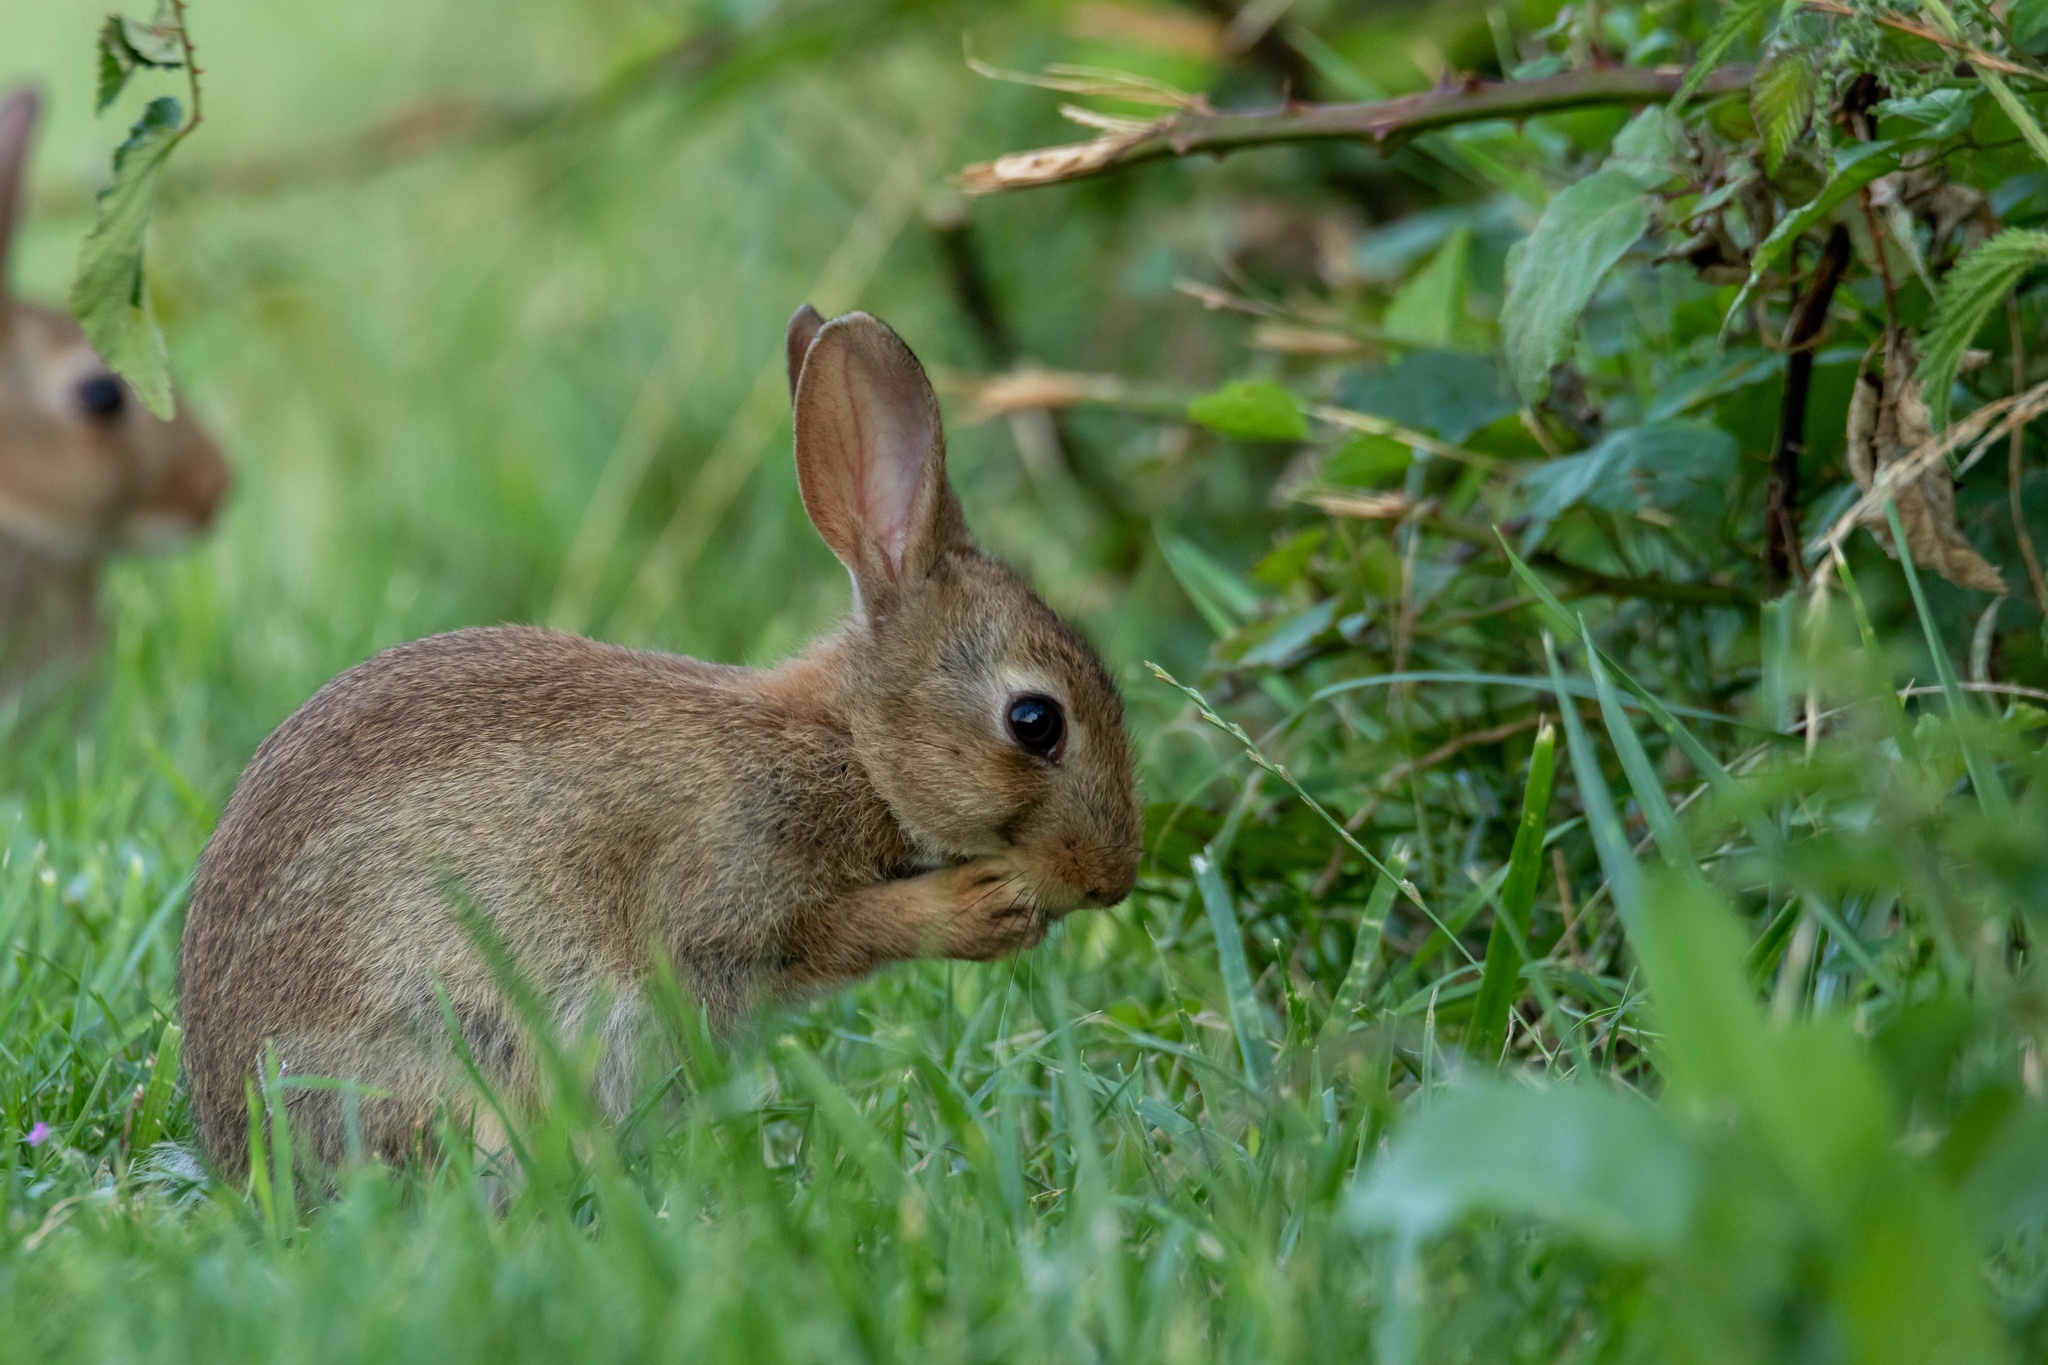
(86, 471)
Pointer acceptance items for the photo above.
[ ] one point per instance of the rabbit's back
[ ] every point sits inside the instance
(593, 802)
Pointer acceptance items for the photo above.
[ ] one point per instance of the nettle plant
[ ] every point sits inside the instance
(1689, 358)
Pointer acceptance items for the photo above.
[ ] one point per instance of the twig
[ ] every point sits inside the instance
(1809, 317)
(185, 46)
(1384, 123)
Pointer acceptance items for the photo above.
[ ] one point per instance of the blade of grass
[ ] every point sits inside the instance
(1642, 778)
(1895, 707)
(1364, 953)
(1983, 776)
(856, 1135)
(453, 1026)
(1246, 1018)
(1488, 1030)
(156, 1100)
(284, 1191)
(1610, 840)
(1719, 778)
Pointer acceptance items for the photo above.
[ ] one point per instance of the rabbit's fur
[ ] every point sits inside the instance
(85, 470)
(765, 832)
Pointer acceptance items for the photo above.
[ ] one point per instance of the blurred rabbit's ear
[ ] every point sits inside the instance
(803, 330)
(17, 128)
(871, 459)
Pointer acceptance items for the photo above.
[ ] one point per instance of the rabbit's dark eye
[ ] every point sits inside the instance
(1036, 723)
(101, 397)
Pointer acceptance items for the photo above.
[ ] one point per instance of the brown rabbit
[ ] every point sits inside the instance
(937, 778)
(85, 469)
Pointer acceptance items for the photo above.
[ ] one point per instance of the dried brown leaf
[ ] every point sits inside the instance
(1888, 419)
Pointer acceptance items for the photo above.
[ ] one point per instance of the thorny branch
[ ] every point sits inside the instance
(1384, 123)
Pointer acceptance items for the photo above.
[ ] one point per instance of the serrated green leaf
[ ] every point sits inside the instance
(1551, 278)
(1978, 283)
(116, 64)
(126, 47)
(1251, 410)
(1781, 98)
(110, 294)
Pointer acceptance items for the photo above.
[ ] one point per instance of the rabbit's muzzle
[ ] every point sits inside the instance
(1087, 872)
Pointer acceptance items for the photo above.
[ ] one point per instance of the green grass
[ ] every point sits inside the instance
(1770, 1019)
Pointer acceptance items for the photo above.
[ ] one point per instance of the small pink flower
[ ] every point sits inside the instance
(38, 1134)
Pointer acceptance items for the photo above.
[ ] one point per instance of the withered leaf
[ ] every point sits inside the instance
(1889, 420)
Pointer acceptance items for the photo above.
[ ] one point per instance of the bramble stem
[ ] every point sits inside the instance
(1384, 123)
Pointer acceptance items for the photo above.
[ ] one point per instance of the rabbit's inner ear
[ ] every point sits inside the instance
(17, 127)
(870, 456)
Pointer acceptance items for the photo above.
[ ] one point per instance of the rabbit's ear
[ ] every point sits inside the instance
(803, 330)
(870, 457)
(17, 127)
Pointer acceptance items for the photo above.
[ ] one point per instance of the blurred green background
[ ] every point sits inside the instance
(485, 302)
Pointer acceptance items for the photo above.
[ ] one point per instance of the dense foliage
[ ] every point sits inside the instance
(1596, 830)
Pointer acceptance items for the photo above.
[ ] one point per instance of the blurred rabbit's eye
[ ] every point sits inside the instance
(101, 397)
(1036, 724)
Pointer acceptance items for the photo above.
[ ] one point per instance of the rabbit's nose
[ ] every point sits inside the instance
(194, 486)
(1116, 877)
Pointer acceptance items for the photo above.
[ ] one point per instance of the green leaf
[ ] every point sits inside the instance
(1650, 150)
(1740, 18)
(1672, 466)
(1855, 166)
(1498, 979)
(1584, 1158)
(1289, 636)
(1429, 310)
(1978, 284)
(1781, 99)
(1811, 1091)
(110, 294)
(1450, 394)
(2027, 18)
(1251, 410)
(1285, 563)
(1552, 275)
(126, 47)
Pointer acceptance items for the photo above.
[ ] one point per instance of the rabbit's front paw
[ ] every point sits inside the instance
(993, 912)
